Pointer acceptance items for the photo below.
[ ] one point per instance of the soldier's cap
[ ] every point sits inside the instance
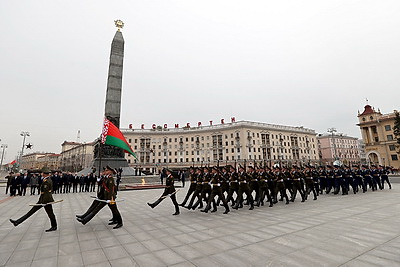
(355, 166)
(251, 167)
(168, 170)
(328, 166)
(241, 167)
(321, 167)
(46, 170)
(198, 169)
(108, 168)
(215, 168)
(11, 173)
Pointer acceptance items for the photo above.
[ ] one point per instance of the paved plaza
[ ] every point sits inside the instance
(353, 230)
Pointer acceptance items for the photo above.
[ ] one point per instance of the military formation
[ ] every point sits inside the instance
(209, 186)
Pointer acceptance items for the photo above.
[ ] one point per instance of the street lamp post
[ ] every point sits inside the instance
(280, 156)
(3, 146)
(23, 134)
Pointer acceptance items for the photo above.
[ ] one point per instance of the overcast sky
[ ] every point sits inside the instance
(299, 63)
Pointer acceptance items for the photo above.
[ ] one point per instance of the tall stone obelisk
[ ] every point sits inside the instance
(110, 155)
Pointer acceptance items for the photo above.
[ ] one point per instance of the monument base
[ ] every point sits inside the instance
(112, 162)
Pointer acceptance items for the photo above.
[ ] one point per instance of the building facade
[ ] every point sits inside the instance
(76, 156)
(377, 133)
(38, 160)
(241, 142)
(338, 148)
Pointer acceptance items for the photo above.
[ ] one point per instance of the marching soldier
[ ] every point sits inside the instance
(168, 191)
(329, 179)
(322, 179)
(216, 191)
(192, 187)
(45, 198)
(264, 188)
(367, 179)
(243, 188)
(384, 177)
(206, 192)
(197, 192)
(337, 175)
(280, 185)
(308, 178)
(106, 195)
(254, 185)
(296, 185)
(233, 185)
(357, 178)
(376, 179)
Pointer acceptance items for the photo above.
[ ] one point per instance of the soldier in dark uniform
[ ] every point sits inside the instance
(168, 191)
(329, 179)
(322, 179)
(216, 191)
(45, 197)
(224, 177)
(376, 178)
(308, 178)
(197, 192)
(297, 185)
(384, 177)
(357, 178)
(243, 188)
(287, 180)
(254, 184)
(367, 179)
(192, 187)
(280, 185)
(233, 185)
(337, 175)
(264, 188)
(107, 193)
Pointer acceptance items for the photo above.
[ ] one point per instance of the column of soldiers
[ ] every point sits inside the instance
(211, 186)
(67, 182)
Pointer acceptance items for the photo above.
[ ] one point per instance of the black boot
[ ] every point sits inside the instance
(53, 228)
(14, 222)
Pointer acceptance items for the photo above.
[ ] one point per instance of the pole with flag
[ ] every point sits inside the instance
(112, 136)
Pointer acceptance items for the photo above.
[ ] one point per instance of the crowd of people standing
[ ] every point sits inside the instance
(67, 182)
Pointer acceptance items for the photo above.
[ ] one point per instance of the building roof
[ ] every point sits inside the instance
(367, 110)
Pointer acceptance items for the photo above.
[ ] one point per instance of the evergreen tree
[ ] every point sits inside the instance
(396, 129)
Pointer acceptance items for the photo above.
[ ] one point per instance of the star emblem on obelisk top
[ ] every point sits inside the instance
(119, 24)
(29, 146)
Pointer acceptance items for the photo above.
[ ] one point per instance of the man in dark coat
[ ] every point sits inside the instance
(45, 198)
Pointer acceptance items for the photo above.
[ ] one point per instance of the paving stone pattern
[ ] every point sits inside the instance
(353, 230)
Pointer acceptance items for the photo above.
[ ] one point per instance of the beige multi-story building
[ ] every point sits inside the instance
(377, 133)
(338, 147)
(241, 142)
(29, 161)
(76, 156)
(38, 160)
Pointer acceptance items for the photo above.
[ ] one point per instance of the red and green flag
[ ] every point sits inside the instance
(112, 136)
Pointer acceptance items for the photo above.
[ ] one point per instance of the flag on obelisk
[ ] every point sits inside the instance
(112, 136)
